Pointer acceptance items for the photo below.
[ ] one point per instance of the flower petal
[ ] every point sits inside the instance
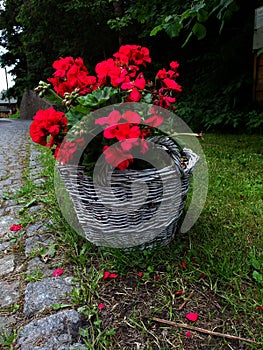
(192, 317)
(15, 227)
(58, 272)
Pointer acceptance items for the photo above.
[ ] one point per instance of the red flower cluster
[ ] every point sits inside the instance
(71, 75)
(122, 72)
(47, 123)
(65, 153)
(120, 79)
(167, 79)
(127, 130)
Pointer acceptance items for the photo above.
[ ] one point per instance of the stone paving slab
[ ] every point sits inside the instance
(7, 264)
(55, 332)
(42, 294)
(59, 331)
(9, 293)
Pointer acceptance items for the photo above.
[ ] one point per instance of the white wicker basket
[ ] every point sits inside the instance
(124, 228)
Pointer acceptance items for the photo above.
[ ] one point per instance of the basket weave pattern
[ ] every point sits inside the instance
(104, 216)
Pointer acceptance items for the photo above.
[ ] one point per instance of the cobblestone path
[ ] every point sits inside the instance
(25, 305)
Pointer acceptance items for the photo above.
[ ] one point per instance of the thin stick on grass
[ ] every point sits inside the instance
(201, 330)
(186, 301)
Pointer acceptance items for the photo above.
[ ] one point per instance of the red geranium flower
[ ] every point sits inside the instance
(116, 157)
(70, 75)
(134, 96)
(64, 153)
(47, 122)
(171, 84)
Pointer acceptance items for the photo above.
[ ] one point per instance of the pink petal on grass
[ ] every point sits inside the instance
(15, 227)
(106, 274)
(101, 306)
(192, 317)
(188, 334)
(58, 272)
(109, 275)
(140, 274)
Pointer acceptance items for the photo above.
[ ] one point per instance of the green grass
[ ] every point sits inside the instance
(222, 272)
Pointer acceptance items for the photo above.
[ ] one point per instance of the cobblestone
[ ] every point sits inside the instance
(7, 264)
(42, 294)
(9, 293)
(59, 331)
(55, 332)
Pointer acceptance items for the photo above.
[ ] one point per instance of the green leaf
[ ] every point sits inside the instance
(59, 306)
(258, 277)
(98, 97)
(202, 15)
(157, 29)
(173, 29)
(255, 263)
(199, 31)
(147, 98)
(186, 14)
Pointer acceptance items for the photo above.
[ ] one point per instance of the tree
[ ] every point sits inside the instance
(37, 32)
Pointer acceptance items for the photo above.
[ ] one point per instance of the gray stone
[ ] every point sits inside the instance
(36, 264)
(6, 323)
(36, 242)
(9, 293)
(42, 294)
(7, 264)
(30, 104)
(4, 246)
(37, 228)
(58, 331)
(77, 346)
(5, 223)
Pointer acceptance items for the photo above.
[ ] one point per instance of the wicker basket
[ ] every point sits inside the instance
(106, 221)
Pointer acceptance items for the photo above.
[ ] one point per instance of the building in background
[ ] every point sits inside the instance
(7, 105)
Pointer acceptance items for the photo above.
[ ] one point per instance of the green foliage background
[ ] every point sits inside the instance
(212, 40)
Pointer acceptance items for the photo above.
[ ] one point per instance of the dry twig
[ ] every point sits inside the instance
(186, 301)
(202, 330)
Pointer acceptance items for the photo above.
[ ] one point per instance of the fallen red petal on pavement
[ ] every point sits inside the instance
(58, 272)
(15, 227)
